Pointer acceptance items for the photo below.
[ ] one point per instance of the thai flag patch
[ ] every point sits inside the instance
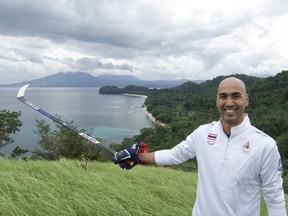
(212, 136)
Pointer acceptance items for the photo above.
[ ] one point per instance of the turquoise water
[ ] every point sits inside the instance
(110, 117)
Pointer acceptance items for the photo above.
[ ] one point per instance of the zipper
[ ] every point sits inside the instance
(226, 150)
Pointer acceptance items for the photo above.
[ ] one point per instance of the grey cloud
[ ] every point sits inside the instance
(126, 26)
(89, 64)
(75, 20)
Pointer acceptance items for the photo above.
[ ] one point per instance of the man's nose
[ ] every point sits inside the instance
(229, 101)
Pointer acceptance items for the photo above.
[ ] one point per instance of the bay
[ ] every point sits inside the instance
(111, 117)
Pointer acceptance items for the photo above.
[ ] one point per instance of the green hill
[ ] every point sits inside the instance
(64, 188)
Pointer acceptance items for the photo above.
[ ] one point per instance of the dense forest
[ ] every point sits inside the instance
(189, 105)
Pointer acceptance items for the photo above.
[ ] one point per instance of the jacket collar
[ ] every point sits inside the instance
(242, 127)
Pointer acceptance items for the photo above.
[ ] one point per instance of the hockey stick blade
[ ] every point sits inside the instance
(22, 98)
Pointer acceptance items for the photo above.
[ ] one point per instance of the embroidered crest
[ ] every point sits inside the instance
(246, 148)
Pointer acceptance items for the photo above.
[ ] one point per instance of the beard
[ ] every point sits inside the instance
(231, 119)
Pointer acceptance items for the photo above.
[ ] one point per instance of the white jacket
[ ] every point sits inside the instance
(232, 171)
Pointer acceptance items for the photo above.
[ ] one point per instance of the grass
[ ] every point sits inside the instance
(62, 187)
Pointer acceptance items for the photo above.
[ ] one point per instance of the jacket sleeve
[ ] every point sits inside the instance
(272, 182)
(178, 154)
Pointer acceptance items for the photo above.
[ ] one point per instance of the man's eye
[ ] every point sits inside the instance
(236, 96)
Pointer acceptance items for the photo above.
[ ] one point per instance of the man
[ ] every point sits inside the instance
(235, 160)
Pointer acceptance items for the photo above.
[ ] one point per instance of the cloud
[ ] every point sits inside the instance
(90, 64)
(148, 39)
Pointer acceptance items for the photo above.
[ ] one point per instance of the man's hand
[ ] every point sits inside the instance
(128, 157)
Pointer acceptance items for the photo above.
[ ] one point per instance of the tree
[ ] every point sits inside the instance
(9, 124)
(18, 152)
(61, 142)
(282, 141)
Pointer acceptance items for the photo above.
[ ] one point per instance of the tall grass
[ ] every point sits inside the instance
(63, 188)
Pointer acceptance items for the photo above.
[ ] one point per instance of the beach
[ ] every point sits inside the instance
(150, 116)
(134, 95)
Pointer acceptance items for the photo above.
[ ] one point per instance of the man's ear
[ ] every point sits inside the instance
(247, 100)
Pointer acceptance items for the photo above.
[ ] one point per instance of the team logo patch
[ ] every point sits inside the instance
(246, 149)
(211, 138)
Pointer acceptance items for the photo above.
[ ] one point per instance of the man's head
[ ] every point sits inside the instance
(232, 99)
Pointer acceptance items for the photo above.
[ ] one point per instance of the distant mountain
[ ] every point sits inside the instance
(81, 79)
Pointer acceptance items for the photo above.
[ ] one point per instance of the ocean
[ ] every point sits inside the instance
(110, 117)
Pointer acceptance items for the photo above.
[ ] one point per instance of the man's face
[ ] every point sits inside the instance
(232, 101)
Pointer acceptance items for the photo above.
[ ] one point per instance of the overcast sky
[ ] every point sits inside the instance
(149, 39)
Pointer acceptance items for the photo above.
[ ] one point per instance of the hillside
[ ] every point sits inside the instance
(64, 188)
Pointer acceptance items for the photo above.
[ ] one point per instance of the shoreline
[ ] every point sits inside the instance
(135, 95)
(150, 116)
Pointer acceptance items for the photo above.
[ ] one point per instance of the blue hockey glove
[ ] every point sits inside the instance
(128, 157)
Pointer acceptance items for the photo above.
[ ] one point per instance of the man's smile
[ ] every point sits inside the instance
(230, 111)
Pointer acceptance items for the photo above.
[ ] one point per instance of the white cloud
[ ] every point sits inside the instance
(148, 39)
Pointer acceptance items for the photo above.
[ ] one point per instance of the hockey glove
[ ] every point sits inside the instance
(128, 157)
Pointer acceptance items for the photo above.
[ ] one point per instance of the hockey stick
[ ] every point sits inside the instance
(21, 97)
